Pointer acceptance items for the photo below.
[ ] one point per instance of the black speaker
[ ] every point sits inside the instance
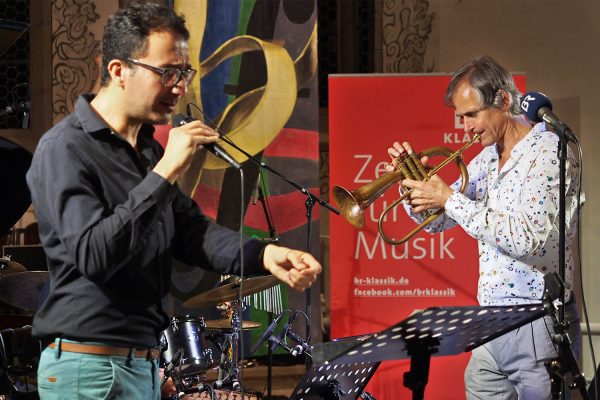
(31, 257)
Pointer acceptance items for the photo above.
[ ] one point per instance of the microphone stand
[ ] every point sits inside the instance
(561, 336)
(566, 362)
(275, 240)
(273, 236)
(562, 165)
(310, 200)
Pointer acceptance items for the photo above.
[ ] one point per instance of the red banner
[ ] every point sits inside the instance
(374, 284)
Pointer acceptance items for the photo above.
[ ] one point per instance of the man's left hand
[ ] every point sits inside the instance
(295, 268)
(432, 194)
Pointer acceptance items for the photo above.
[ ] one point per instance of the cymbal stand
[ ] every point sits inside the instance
(230, 374)
(310, 201)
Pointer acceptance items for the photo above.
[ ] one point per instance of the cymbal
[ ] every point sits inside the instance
(231, 291)
(23, 289)
(225, 324)
(8, 267)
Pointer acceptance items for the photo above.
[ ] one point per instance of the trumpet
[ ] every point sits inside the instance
(352, 204)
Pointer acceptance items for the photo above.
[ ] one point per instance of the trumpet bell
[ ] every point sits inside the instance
(350, 206)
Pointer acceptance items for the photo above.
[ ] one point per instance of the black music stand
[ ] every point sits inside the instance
(335, 381)
(433, 331)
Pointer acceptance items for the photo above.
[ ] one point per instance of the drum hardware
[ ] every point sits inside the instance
(230, 291)
(19, 356)
(168, 373)
(229, 299)
(276, 341)
(229, 368)
(227, 312)
(183, 385)
(23, 289)
(225, 325)
(353, 203)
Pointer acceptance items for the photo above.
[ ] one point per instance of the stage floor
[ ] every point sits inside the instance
(285, 379)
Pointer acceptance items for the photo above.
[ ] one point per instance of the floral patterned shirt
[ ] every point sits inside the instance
(513, 214)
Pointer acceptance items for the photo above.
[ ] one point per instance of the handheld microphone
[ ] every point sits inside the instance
(537, 107)
(182, 119)
(267, 333)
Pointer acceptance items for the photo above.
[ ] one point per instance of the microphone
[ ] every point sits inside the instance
(301, 347)
(182, 119)
(278, 341)
(287, 325)
(537, 107)
(22, 105)
(267, 333)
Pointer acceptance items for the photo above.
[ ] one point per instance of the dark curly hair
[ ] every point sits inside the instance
(127, 30)
(488, 78)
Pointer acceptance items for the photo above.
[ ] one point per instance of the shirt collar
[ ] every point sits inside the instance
(529, 140)
(91, 121)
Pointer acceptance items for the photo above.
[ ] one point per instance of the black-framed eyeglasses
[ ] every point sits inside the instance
(170, 76)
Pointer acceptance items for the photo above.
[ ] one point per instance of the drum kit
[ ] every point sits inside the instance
(186, 357)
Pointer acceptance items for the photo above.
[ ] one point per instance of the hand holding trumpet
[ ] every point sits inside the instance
(425, 195)
(428, 192)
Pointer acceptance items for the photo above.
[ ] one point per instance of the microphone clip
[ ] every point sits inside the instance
(301, 346)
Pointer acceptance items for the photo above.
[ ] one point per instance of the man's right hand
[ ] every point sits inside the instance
(183, 142)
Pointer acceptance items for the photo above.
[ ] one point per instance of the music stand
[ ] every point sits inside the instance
(433, 331)
(335, 381)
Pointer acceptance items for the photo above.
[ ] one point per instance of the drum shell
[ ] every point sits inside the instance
(186, 334)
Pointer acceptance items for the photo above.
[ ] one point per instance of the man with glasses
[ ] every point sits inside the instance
(111, 217)
(510, 206)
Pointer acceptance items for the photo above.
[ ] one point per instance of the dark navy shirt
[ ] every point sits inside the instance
(110, 227)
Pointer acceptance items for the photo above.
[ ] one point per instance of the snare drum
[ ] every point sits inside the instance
(184, 344)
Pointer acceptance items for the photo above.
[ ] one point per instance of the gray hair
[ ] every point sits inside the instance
(488, 78)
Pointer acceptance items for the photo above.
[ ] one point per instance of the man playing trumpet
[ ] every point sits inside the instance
(511, 207)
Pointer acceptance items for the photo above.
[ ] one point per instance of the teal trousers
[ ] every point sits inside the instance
(67, 375)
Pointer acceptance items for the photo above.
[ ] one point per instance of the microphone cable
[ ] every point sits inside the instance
(240, 339)
(583, 303)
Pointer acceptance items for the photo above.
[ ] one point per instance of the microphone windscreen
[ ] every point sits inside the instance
(532, 102)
